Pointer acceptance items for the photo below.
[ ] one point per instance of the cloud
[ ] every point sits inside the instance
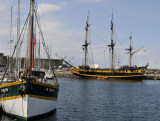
(5, 24)
(46, 8)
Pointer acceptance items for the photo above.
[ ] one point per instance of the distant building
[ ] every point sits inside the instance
(44, 63)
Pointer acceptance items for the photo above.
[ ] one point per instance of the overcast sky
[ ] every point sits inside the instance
(63, 24)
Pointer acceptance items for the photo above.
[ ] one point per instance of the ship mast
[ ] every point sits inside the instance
(130, 50)
(86, 42)
(18, 45)
(111, 46)
(31, 51)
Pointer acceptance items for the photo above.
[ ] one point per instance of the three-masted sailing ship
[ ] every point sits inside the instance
(123, 72)
(29, 95)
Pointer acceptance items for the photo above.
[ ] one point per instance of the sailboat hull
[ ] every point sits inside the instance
(28, 107)
(36, 100)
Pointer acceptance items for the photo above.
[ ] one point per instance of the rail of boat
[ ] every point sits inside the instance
(123, 69)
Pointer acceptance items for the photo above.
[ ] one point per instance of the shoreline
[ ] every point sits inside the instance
(64, 74)
(149, 76)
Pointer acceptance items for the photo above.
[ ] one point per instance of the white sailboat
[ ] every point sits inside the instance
(29, 95)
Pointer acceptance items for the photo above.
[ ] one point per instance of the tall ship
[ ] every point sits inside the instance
(123, 72)
(28, 94)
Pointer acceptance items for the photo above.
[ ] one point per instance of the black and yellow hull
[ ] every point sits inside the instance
(130, 73)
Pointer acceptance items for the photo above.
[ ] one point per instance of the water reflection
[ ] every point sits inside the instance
(152, 82)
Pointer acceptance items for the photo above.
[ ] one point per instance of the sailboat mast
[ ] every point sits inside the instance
(111, 46)
(31, 52)
(10, 40)
(130, 51)
(18, 33)
(86, 41)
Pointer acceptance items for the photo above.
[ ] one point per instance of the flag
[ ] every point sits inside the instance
(34, 39)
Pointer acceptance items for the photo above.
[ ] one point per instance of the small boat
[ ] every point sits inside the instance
(49, 75)
(29, 95)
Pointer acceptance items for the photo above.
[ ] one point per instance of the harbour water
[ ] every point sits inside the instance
(98, 100)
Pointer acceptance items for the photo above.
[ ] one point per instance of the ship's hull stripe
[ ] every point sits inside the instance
(23, 82)
(106, 75)
(31, 88)
(12, 83)
(35, 96)
(43, 97)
